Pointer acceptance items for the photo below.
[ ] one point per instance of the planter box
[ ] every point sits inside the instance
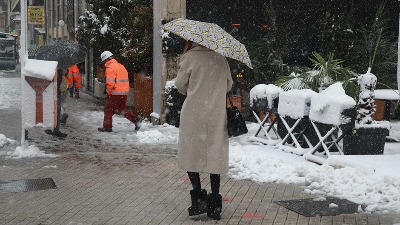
(366, 141)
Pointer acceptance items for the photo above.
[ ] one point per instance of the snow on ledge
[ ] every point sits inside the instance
(387, 94)
(295, 103)
(40, 69)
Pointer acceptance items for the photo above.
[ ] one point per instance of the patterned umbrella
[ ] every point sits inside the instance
(211, 36)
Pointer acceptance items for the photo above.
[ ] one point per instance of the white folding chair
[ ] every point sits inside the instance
(264, 98)
(266, 124)
(332, 112)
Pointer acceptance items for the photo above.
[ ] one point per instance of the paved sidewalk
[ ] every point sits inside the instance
(135, 184)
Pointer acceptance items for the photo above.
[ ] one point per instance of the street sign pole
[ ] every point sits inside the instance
(23, 57)
(398, 51)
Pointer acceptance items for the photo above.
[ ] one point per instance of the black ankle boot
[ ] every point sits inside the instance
(199, 202)
(214, 206)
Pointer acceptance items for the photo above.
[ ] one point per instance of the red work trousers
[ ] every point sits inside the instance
(116, 103)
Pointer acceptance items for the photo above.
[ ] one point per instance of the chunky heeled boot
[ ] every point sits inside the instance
(199, 202)
(214, 206)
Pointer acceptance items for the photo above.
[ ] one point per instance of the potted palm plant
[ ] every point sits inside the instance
(325, 72)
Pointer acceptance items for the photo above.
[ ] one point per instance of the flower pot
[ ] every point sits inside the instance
(365, 141)
(236, 101)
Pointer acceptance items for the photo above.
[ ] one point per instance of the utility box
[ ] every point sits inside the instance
(39, 100)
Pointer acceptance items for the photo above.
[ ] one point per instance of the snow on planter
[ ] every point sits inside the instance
(295, 103)
(328, 105)
(262, 96)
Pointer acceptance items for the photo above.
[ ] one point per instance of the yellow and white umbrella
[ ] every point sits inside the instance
(209, 35)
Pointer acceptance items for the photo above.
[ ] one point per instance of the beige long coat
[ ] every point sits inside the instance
(204, 77)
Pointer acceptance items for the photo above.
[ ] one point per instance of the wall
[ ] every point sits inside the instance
(164, 67)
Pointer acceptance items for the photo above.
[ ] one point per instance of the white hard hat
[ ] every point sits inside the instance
(105, 55)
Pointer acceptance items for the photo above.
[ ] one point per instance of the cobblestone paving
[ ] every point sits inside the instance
(100, 183)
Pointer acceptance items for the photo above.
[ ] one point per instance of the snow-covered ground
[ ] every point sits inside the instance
(373, 181)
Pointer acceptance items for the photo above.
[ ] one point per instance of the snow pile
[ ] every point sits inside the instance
(368, 180)
(264, 91)
(10, 91)
(155, 136)
(5, 141)
(40, 69)
(295, 103)
(28, 152)
(327, 106)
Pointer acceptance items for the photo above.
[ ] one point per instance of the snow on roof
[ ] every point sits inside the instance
(264, 91)
(327, 106)
(295, 103)
(40, 69)
(387, 94)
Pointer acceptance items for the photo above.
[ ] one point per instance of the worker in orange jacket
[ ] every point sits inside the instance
(74, 79)
(117, 88)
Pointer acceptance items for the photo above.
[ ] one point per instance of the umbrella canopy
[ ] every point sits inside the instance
(211, 36)
(66, 53)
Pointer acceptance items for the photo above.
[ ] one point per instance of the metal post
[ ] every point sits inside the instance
(398, 51)
(23, 57)
(157, 56)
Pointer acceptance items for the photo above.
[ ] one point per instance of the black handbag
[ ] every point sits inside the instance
(236, 124)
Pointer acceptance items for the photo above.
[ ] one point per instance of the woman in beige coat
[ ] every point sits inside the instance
(204, 77)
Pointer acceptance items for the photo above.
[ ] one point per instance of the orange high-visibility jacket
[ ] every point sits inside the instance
(117, 82)
(74, 77)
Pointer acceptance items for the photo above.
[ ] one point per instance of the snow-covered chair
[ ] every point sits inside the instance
(264, 98)
(293, 111)
(331, 111)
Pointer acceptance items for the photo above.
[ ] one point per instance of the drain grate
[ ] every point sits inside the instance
(27, 185)
(320, 206)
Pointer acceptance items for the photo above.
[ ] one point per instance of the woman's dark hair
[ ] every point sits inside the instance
(188, 46)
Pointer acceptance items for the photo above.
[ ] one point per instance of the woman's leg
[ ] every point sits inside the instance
(194, 178)
(197, 195)
(215, 183)
(214, 199)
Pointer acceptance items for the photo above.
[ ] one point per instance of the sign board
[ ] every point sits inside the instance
(39, 99)
(35, 14)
